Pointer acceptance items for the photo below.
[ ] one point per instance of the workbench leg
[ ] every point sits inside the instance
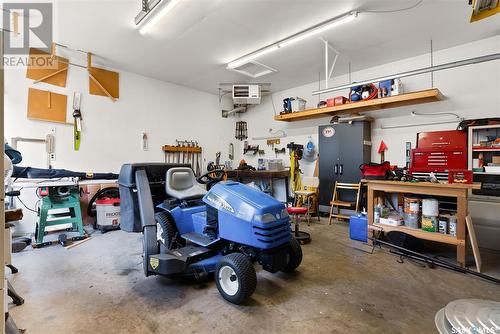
(461, 230)
(370, 196)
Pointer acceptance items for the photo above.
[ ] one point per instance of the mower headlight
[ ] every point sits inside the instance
(284, 213)
(265, 218)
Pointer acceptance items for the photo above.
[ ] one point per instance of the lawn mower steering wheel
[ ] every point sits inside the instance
(212, 177)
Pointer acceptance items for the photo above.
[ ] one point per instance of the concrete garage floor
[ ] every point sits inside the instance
(99, 287)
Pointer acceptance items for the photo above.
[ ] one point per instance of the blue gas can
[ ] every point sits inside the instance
(358, 228)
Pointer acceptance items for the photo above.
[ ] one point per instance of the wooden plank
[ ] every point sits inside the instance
(93, 82)
(257, 173)
(371, 205)
(187, 149)
(50, 75)
(421, 234)
(424, 96)
(461, 232)
(473, 241)
(475, 185)
(47, 68)
(47, 106)
(13, 215)
(74, 244)
(103, 82)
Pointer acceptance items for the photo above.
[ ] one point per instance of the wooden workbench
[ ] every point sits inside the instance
(377, 188)
(271, 175)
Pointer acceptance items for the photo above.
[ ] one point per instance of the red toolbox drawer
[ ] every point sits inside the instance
(437, 160)
(442, 139)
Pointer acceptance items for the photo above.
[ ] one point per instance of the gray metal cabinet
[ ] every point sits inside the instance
(342, 149)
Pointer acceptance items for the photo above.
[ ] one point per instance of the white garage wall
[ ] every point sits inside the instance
(112, 130)
(471, 92)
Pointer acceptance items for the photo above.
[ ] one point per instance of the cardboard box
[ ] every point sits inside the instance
(87, 192)
(496, 159)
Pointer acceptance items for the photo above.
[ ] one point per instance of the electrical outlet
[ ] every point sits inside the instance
(52, 156)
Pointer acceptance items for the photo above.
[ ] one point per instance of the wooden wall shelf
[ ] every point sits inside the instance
(423, 96)
(184, 149)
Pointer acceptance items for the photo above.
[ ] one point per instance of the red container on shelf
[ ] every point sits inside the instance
(330, 102)
(339, 100)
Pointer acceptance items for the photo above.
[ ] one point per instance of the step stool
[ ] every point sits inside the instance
(59, 197)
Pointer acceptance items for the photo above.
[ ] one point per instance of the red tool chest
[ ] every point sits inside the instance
(442, 139)
(439, 152)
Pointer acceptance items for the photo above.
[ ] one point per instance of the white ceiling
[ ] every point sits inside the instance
(191, 45)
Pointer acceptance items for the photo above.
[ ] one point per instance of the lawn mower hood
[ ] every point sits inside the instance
(249, 216)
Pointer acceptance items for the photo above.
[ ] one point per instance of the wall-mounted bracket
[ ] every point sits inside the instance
(329, 64)
(110, 77)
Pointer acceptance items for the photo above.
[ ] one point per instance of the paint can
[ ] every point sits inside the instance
(429, 224)
(452, 226)
(443, 225)
(411, 220)
(412, 205)
(430, 207)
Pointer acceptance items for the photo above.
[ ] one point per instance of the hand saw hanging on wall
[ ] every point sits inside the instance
(77, 119)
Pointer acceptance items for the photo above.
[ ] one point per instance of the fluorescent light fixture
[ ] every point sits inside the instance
(146, 20)
(315, 30)
(319, 29)
(246, 59)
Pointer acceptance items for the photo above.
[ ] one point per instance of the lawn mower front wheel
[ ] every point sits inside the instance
(294, 256)
(235, 278)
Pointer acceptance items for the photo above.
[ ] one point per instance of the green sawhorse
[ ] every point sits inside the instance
(59, 197)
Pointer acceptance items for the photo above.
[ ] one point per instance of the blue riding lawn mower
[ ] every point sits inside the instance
(189, 231)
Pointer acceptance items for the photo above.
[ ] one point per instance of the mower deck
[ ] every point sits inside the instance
(175, 261)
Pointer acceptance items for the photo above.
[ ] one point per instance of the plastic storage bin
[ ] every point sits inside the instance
(358, 228)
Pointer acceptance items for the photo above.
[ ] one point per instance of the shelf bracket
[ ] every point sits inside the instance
(329, 65)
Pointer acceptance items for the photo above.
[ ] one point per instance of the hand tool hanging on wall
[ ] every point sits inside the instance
(198, 162)
(77, 120)
(241, 130)
(217, 158)
(231, 151)
(186, 152)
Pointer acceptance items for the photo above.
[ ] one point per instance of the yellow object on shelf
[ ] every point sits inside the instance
(478, 14)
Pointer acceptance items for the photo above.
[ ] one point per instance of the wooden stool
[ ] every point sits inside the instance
(308, 195)
(337, 203)
(302, 237)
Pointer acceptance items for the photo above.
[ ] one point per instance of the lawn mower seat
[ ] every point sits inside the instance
(181, 184)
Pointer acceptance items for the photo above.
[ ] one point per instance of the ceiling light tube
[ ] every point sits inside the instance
(318, 29)
(246, 59)
(315, 30)
(145, 21)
